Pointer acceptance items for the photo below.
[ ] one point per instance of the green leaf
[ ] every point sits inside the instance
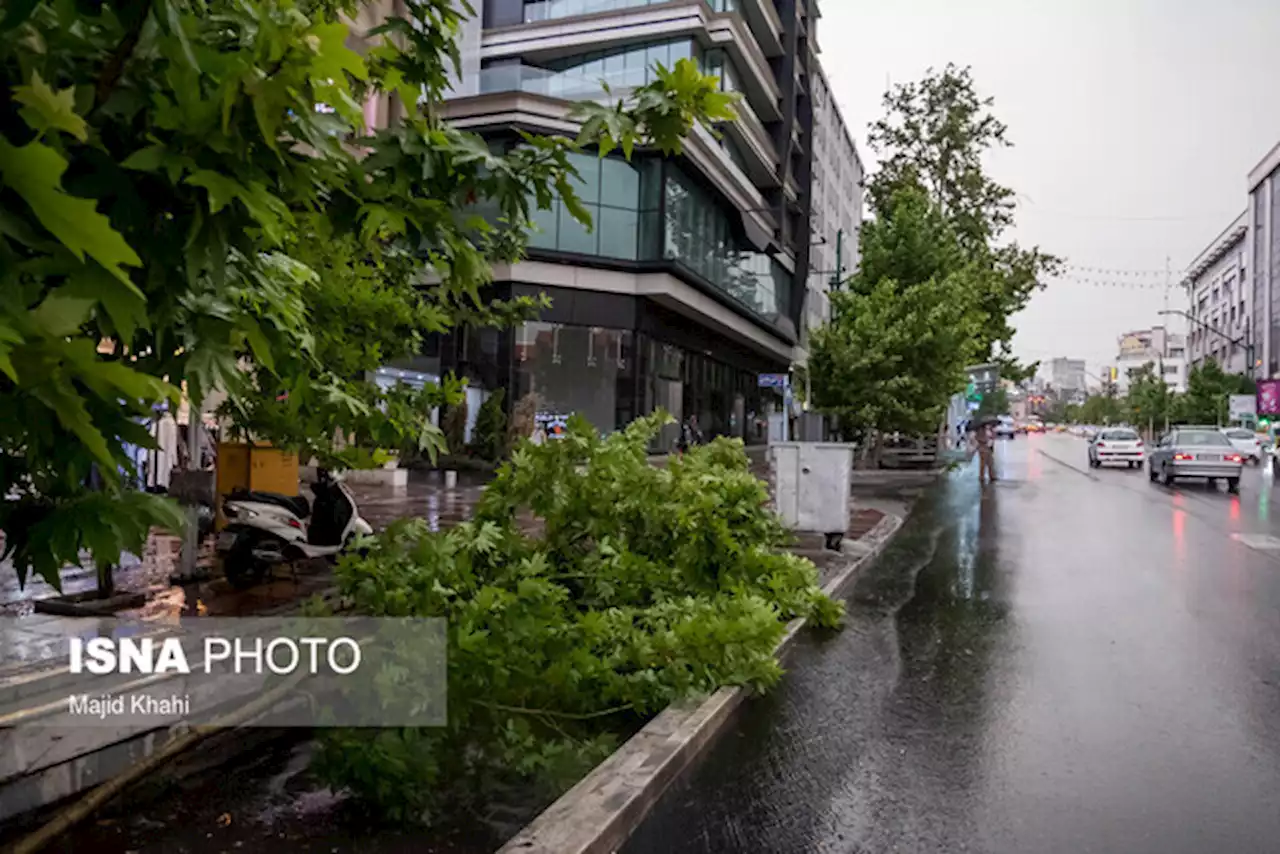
(61, 315)
(222, 190)
(333, 57)
(44, 109)
(71, 412)
(259, 344)
(124, 303)
(146, 159)
(35, 171)
(8, 338)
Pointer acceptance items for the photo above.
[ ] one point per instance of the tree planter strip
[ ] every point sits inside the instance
(598, 814)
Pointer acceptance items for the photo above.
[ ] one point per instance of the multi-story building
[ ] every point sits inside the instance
(1222, 305)
(1165, 351)
(1262, 254)
(695, 278)
(836, 204)
(1067, 374)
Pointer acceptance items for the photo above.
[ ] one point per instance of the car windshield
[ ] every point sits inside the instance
(1201, 437)
(1119, 436)
(1239, 434)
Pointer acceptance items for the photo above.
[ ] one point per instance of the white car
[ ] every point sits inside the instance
(1247, 442)
(1005, 428)
(1116, 445)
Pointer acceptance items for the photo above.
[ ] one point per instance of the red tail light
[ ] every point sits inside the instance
(1184, 457)
(1102, 444)
(1139, 443)
(294, 523)
(1234, 458)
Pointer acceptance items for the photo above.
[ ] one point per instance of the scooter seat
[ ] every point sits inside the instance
(295, 504)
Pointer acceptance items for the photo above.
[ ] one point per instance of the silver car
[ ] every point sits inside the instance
(1196, 452)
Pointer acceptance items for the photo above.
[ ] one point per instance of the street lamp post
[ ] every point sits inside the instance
(1238, 342)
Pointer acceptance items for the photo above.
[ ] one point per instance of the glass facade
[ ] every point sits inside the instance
(623, 200)
(648, 210)
(581, 76)
(547, 10)
(611, 376)
(701, 234)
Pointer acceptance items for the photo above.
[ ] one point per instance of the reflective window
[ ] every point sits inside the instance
(701, 233)
(610, 190)
(577, 369)
(547, 10)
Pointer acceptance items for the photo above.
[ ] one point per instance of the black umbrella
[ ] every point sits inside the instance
(985, 421)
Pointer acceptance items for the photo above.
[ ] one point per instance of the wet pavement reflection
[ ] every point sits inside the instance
(1068, 660)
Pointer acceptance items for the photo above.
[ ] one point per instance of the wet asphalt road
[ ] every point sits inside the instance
(1069, 661)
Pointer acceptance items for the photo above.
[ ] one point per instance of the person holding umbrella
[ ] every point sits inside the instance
(984, 437)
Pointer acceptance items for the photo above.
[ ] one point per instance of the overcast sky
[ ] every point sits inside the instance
(1135, 124)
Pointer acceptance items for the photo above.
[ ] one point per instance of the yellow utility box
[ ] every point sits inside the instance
(257, 466)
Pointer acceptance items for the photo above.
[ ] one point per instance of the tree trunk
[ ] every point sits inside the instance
(106, 581)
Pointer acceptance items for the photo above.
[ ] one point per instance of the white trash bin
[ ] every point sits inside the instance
(812, 482)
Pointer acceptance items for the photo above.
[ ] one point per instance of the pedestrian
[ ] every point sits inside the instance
(984, 440)
(690, 435)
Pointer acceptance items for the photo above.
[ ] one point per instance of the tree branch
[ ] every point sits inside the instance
(114, 69)
(569, 716)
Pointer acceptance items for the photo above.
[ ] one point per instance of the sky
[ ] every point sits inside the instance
(1135, 124)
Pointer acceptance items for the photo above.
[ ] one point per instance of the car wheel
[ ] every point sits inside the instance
(1233, 485)
(1166, 479)
(1151, 472)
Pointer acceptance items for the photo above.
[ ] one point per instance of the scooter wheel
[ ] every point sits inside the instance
(241, 568)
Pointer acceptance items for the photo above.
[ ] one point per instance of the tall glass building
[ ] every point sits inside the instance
(695, 278)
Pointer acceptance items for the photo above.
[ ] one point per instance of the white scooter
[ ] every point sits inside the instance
(266, 529)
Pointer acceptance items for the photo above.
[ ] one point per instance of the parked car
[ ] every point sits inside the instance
(1247, 442)
(1117, 445)
(1196, 452)
(1004, 428)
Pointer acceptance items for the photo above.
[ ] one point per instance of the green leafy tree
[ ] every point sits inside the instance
(1101, 409)
(935, 133)
(1150, 402)
(895, 351)
(994, 403)
(1208, 388)
(175, 209)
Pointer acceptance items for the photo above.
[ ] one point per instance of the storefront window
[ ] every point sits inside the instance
(577, 369)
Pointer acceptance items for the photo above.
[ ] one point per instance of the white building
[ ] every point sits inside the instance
(1221, 294)
(1165, 351)
(836, 203)
(1262, 251)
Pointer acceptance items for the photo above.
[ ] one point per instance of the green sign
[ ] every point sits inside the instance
(971, 393)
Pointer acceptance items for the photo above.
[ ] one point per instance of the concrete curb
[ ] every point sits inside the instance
(599, 814)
